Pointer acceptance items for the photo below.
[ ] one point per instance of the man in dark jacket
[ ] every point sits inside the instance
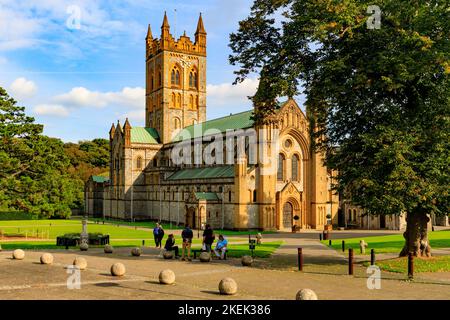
(187, 236)
(208, 238)
(156, 235)
(170, 245)
(160, 235)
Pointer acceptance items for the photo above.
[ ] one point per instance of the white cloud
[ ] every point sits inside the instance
(82, 97)
(51, 110)
(136, 117)
(21, 88)
(229, 94)
(28, 23)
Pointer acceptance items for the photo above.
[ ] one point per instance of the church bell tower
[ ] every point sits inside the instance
(175, 80)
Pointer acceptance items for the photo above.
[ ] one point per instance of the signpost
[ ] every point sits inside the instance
(252, 246)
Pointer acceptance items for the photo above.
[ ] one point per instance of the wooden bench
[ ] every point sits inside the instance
(195, 251)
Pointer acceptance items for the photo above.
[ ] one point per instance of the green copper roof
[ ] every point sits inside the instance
(211, 196)
(144, 135)
(203, 173)
(99, 179)
(240, 120)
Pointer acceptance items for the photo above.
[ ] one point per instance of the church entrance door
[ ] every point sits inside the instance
(287, 215)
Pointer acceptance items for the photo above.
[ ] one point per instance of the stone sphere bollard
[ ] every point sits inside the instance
(168, 255)
(80, 263)
(46, 258)
(205, 257)
(84, 246)
(18, 254)
(306, 294)
(118, 269)
(136, 252)
(227, 286)
(108, 249)
(247, 261)
(167, 277)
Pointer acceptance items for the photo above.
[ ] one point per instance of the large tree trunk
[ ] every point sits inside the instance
(416, 236)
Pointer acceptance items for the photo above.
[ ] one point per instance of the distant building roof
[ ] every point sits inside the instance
(236, 121)
(100, 179)
(144, 135)
(203, 173)
(210, 196)
(241, 120)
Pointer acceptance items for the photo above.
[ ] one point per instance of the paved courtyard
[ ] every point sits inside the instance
(275, 278)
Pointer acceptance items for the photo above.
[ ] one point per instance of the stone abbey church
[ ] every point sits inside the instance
(145, 183)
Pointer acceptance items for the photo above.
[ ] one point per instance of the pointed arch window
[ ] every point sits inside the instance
(191, 102)
(280, 173)
(176, 123)
(193, 79)
(176, 77)
(179, 101)
(295, 168)
(174, 101)
(139, 163)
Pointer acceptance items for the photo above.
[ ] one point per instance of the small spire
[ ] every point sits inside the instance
(184, 34)
(149, 33)
(200, 26)
(119, 127)
(112, 130)
(165, 21)
(127, 124)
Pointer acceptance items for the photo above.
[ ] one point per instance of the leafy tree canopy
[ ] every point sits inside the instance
(378, 98)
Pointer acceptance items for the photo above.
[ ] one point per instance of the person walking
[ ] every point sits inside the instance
(170, 245)
(160, 235)
(221, 247)
(208, 238)
(187, 236)
(156, 235)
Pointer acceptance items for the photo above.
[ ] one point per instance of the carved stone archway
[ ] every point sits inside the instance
(289, 196)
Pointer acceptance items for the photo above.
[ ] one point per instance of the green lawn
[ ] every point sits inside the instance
(120, 235)
(151, 225)
(400, 265)
(391, 243)
(263, 250)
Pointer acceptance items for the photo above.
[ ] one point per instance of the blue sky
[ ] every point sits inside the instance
(77, 81)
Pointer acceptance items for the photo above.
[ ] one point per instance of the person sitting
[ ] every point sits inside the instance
(221, 247)
(208, 238)
(170, 245)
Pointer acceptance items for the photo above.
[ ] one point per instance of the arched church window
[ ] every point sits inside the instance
(174, 101)
(176, 77)
(176, 123)
(191, 102)
(193, 79)
(280, 173)
(295, 167)
(159, 78)
(179, 101)
(254, 195)
(139, 163)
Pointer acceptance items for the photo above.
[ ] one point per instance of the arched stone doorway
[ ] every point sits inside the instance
(288, 215)
(190, 217)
